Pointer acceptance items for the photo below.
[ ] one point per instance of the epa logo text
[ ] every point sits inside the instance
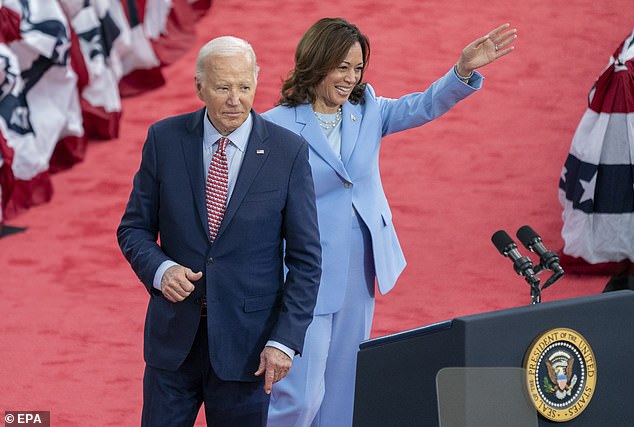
(27, 418)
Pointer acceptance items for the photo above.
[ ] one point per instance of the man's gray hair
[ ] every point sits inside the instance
(225, 46)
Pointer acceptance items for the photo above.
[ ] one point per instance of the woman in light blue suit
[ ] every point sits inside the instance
(325, 101)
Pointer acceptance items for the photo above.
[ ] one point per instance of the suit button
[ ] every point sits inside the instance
(210, 260)
(347, 184)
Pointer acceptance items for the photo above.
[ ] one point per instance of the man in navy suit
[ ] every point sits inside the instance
(223, 317)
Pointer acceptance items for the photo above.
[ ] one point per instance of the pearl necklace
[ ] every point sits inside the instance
(329, 124)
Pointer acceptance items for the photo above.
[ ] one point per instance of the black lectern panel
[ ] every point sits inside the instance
(396, 374)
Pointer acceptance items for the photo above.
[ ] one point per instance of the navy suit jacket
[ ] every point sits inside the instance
(250, 299)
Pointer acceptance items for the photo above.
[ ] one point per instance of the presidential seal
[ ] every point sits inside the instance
(561, 374)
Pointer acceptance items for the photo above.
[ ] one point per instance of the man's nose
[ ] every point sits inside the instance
(234, 98)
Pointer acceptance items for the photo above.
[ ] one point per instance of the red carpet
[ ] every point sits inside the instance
(72, 311)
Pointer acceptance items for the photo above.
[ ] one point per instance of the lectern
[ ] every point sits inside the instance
(396, 382)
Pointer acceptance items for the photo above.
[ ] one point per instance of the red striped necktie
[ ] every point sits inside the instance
(216, 189)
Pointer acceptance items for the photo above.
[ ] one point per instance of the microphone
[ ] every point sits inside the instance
(507, 247)
(533, 242)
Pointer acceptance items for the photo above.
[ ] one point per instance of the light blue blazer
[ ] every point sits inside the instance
(355, 181)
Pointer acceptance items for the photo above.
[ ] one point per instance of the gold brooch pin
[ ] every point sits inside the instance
(353, 117)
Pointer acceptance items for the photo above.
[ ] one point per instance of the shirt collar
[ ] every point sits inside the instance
(238, 137)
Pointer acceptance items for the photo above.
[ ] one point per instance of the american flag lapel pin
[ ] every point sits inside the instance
(259, 151)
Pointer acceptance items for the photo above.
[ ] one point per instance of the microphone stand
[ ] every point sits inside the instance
(536, 291)
(533, 281)
(558, 274)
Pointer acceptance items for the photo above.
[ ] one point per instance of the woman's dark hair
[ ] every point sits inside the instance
(322, 49)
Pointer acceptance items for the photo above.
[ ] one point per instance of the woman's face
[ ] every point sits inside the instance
(334, 89)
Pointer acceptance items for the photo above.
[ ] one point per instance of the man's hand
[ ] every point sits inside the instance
(176, 283)
(274, 364)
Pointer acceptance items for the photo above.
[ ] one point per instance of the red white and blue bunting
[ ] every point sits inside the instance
(596, 188)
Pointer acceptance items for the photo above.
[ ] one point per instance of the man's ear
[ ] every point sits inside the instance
(197, 87)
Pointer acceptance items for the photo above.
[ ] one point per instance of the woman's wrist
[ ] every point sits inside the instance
(462, 75)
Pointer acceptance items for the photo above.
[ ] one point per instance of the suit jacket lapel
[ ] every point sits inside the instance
(316, 139)
(255, 154)
(193, 153)
(351, 123)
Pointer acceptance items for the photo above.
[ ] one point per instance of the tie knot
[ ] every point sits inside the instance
(222, 144)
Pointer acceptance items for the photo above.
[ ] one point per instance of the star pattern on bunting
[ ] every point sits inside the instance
(588, 188)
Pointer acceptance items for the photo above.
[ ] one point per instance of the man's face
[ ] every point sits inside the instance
(227, 87)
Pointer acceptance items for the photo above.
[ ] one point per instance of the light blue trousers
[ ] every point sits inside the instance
(319, 390)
